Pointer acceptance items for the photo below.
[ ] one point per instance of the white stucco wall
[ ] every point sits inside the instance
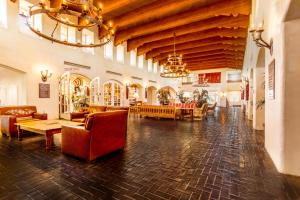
(21, 49)
(281, 129)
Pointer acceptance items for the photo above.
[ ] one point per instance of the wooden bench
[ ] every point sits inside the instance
(158, 111)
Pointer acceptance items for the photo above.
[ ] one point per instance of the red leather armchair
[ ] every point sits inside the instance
(103, 133)
(9, 115)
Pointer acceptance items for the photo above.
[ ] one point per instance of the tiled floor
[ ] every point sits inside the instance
(221, 158)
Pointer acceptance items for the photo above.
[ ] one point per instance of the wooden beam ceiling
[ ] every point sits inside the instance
(225, 7)
(155, 11)
(197, 43)
(216, 32)
(209, 33)
(240, 21)
(204, 55)
(112, 9)
(203, 49)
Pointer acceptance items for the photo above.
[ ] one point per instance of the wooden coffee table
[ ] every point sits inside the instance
(44, 127)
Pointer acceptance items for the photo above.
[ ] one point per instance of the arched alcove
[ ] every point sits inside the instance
(112, 93)
(152, 95)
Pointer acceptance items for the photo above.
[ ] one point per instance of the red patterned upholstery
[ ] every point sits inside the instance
(103, 133)
(81, 116)
(9, 115)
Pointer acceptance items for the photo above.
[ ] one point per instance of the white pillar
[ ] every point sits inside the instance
(258, 96)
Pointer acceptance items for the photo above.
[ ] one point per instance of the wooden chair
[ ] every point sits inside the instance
(201, 112)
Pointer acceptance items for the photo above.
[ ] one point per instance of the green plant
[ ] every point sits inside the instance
(164, 96)
(200, 97)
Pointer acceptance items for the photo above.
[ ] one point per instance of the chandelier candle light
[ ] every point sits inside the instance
(79, 14)
(174, 68)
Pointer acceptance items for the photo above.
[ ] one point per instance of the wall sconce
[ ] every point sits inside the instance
(45, 75)
(257, 38)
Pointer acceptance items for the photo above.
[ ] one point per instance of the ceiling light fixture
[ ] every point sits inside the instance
(174, 68)
(84, 13)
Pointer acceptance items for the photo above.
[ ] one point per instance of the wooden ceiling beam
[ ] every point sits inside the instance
(215, 64)
(240, 21)
(224, 7)
(203, 49)
(114, 8)
(155, 11)
(199, 68)
(213, 58)
(219, 61)
(197, 43)
(209, 54)
(216, 32)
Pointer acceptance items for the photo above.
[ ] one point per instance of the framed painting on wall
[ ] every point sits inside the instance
(271, 80)
(44, 90)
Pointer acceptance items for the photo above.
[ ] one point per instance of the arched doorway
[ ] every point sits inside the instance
(74, 93)
(112, 93)
(151, 95)
(135, 93)
(259, 92)
(172, 92)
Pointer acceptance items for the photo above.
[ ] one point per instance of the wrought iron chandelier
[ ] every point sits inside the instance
(79, 14)
(174, 68)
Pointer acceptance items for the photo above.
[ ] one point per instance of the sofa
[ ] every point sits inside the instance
(9, 115)
(101, 134)
(81, 116)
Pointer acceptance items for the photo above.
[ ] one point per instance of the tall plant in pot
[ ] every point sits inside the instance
(164, 96)
(200, 97)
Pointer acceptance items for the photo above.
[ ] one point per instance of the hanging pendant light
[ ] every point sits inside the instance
(79, 14)
(174, 68)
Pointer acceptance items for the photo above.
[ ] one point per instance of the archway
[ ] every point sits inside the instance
(172, 93)
(112, 93)
(74, 93)
(151, 95)
(135, 93)
(259, 92)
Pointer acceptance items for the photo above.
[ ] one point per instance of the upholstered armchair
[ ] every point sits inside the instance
(102, 133)
(9, 115)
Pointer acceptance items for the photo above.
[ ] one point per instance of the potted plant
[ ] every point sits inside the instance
(164, 96)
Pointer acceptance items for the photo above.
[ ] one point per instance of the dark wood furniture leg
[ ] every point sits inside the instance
(50, 138)
(20, 133)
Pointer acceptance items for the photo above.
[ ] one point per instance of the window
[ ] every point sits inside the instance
(161, 69)
(112, 93)
(36, 20)
(108, 50)
(24, 8)
(3, 13)
(67, 33)
(150, 65)
(88, 38)
(155, 67)
(120, 53)
(141, 62)
(133, 58)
